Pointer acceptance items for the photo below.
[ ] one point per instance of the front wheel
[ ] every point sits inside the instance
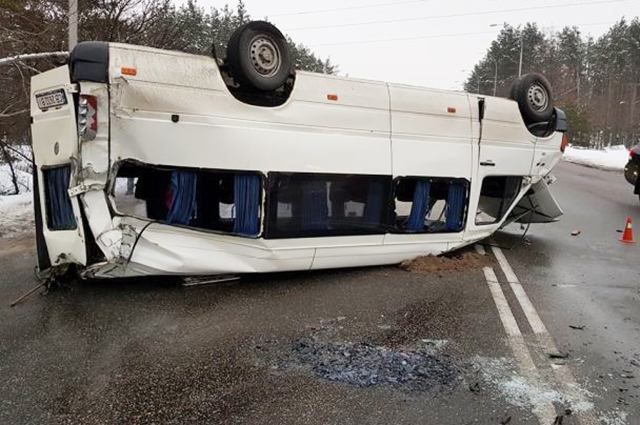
(258, 56)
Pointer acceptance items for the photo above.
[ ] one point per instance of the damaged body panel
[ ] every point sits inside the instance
(169, 174)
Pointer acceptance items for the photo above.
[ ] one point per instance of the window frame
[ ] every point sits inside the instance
(465, 214)
(503, 212)
(44, 170)
(110, 192)
(271, 205)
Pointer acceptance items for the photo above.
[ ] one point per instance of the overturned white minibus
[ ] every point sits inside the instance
(153, 162)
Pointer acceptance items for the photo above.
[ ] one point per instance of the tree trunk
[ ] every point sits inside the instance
(9, 160)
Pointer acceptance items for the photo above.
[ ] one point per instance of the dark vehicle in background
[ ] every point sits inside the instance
(632, 169)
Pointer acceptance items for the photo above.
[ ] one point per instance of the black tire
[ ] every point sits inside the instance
(513, 93)
(258, 56)
(631, 171)
(533, 94)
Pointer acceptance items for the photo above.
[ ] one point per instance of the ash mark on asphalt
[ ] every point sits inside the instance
(419, 368)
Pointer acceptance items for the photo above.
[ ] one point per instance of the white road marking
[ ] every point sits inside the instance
(529, 310)
(544, 411)
(564, 377)
(480, 249)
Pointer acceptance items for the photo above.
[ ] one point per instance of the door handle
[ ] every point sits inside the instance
(488, 163)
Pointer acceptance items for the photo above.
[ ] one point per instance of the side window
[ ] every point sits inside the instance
(305, 205)
(206, 199)
(430, 205)
(59, 211)
(496, 196)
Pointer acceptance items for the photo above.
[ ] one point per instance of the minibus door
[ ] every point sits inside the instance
(59, 232)
(504, 152)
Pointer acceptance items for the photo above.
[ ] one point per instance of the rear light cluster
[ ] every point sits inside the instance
(88, 117)
(565, 142)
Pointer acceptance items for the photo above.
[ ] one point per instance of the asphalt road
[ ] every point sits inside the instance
(361, 346)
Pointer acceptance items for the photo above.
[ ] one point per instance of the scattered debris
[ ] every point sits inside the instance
(577, 327)
(29, 292)
(575, 232)
(505, 421)
(558, 355)
(446, 263)
(502, 375)
(614, 417)
(475, 387)
(208, 280)
(366, 365)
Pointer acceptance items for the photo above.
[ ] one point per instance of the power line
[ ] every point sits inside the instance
(341, 9)
(455, 15)
(422, 37)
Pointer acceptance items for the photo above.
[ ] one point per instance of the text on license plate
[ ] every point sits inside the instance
(51, 99)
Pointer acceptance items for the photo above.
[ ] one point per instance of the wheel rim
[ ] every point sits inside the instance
(265, 56)
(538, 97)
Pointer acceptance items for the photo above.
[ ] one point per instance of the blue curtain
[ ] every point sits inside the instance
(59, 209)
(374, 206)
(455, 207)
(246, 197)
(315, 210)
(183, 197)
(419, 207)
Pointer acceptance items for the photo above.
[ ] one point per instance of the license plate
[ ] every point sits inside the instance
(51, 99)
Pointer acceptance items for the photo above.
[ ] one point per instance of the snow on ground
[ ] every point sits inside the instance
(16, 211)
(16, 214)
(23, 173)
(613, 158)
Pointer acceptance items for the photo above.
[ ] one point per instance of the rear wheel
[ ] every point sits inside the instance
(533, 94)
(258, 56)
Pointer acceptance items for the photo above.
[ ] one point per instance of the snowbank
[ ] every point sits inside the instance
(613, 158)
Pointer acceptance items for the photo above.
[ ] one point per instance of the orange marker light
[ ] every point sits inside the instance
(333, 97)
(128, 71)
(451, 110)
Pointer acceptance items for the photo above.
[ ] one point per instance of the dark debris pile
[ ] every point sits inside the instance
(365, 365)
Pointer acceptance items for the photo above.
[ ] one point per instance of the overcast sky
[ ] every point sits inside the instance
(430, 43)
